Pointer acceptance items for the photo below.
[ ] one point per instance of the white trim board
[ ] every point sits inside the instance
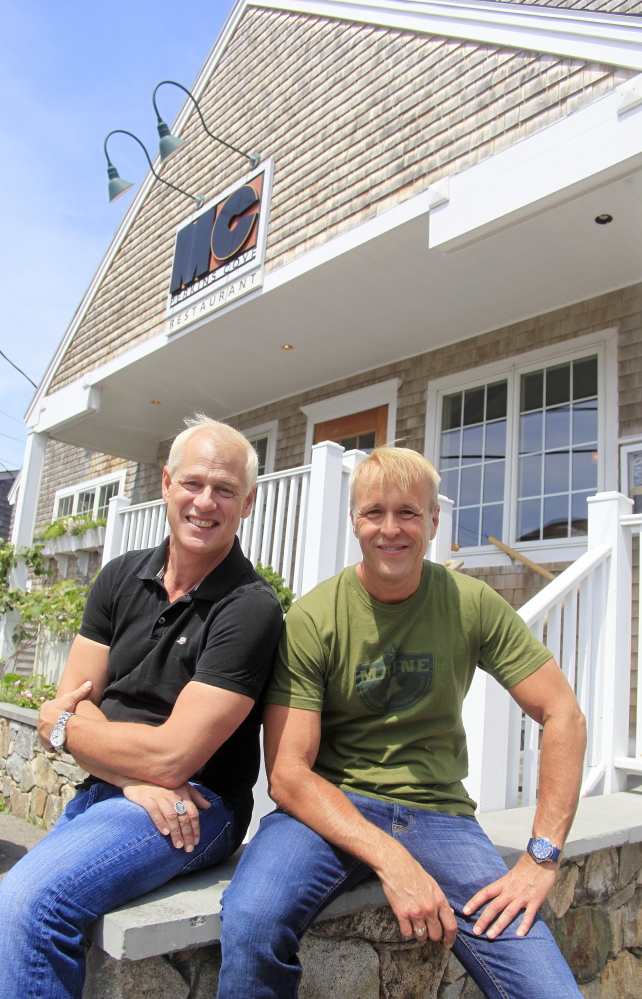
(613, 39)
(346, 403)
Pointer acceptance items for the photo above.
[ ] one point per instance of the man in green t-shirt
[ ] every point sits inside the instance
(366, 754)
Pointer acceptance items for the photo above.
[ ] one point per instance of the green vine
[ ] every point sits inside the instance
(26, 691)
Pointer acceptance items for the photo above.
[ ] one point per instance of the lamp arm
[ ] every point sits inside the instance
(193, 197)
(200, 114)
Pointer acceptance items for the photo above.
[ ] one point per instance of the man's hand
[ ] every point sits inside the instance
(51, 711)
(525, 887)
(159, 803)
(416, 899)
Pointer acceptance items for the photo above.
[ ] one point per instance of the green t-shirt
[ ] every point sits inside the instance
(390, 680)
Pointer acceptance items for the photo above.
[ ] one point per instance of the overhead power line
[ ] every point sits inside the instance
(18, 369)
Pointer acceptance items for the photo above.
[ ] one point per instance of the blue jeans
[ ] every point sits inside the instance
(103, 851)
(288, 875)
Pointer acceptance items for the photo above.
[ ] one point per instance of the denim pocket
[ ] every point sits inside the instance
(220, 848)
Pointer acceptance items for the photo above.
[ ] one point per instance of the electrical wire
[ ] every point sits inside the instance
(18, 369)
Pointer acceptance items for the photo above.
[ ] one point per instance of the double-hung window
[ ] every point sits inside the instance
(91, 497)
(521, 450)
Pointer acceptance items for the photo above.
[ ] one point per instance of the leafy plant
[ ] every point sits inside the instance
(76, 525)
(285, 595)
(26, 692)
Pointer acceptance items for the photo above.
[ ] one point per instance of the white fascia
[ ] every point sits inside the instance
(613, 39)
(591, 147)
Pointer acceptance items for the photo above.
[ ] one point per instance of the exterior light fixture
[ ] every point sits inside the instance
(170, 144)
(155, 402)
(603, 219)
(287, 346)
(118, 186)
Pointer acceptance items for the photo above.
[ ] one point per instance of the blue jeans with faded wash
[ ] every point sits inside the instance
(288, 874)
(103, 851)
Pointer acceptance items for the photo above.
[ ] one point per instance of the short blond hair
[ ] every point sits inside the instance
(400, 465)
(219, 433)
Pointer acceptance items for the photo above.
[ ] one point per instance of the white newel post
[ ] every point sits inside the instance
(604, 528)
(486, 715)
(440, 548)
(23, 526)
(114, 528)
(348, 550)
(324, 509)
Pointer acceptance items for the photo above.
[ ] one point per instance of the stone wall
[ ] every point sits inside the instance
(594, 912)
(35, 783)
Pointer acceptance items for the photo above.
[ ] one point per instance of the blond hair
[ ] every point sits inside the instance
(400, 465)
(221, 434)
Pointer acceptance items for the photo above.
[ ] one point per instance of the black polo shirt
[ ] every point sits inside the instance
(223, 633)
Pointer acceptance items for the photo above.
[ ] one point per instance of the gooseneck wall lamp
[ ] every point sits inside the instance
(168, 145)
(117, 184)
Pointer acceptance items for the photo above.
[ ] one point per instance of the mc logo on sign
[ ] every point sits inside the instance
(217, 237)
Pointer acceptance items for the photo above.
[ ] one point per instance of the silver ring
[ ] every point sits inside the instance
(179, 808)
(420, 933)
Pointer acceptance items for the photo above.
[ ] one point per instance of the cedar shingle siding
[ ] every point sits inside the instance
(358, 118)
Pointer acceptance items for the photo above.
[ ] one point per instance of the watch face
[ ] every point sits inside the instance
(541, 849)
(57, 736)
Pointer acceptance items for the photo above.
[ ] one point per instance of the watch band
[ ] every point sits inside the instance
(58, 733)
(541, 850)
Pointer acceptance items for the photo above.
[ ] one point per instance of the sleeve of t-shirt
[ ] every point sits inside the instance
(97, 617)
(509, 650)
(298, 680)
(238, 653)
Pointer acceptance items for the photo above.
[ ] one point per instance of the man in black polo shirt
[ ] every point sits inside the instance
(159, 703)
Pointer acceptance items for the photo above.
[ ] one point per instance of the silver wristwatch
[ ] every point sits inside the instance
(58, 732)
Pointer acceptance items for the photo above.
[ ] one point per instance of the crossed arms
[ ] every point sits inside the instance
(151, 763)
(292, 738)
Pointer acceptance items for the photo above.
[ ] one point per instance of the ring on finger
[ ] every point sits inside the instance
(420, 933)
(179, 807)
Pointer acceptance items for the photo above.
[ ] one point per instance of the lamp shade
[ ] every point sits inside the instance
(117, 185)
(168, 144)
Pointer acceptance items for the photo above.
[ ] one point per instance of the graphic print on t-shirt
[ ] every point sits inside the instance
(397, 681)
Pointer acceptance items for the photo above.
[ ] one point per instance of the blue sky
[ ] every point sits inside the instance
(69, 73)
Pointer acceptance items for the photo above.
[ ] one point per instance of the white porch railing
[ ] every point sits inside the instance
(585, 617)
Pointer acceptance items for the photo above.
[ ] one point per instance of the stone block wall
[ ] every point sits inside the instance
(35, 783)
(594, 912)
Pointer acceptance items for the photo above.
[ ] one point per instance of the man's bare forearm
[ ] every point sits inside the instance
(560, 776)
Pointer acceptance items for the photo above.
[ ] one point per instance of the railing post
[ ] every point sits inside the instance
(486, 714)
(114, 528)
(604, 527)
(348, 550)
(440, 548)
(324, 506)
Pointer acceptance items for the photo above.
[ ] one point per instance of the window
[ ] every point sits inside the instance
(328, 415)
(91, 498)
(263, 438)
(521, 449)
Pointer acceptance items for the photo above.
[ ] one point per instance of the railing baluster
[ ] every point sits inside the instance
(569, 642)
(257, 526)
(300, 542)
(293, 493)
(276, 559)
(268, 523)
(554, 631)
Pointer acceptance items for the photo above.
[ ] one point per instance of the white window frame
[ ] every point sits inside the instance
(268, 430)
(81, 487)
(338, 406)
(604, 345)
